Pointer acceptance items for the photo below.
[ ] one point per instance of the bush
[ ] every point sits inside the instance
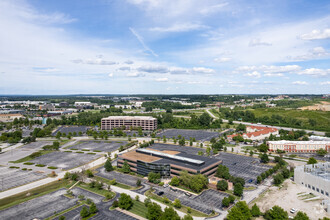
(115, 204)
(125, 201)
(175, 181)
(222, 185)
(84, 212)
(154, 177)
(89, 173)
(40, 165)
(161, 184)
(138, 183)
(93, 209)
(108, 166)
(52, 168)
(177, 203)
(255, 211)
(276, 213)
(238, 189)
(147, 201)
(225, 202)
(108, 196)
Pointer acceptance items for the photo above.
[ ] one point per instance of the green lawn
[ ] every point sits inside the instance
(101, 192)
(121, 185)
(139, 209)
(34, 193)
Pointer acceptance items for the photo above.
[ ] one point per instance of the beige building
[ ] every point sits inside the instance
(10, 117)
(128, 122)
(298, 146)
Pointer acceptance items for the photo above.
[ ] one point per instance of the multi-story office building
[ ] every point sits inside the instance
(315, 177)
(167, 163)
(128, 122)
(298, 146)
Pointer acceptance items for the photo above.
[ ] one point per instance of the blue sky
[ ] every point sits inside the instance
(164, 46)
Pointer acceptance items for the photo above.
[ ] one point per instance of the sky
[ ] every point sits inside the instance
(164, 47)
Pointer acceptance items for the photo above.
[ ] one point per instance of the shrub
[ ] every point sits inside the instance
(40, 165)
(222, 185)
(175, 181)
(147, 201)
(108, 196)
(92, 208)
(125, 201)
(177, 203)
(115, 204)
(138, 183)
(84, 212)
(52, 168)
(225, 202)
(89, 173)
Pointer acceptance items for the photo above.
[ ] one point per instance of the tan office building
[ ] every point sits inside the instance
(147, 123)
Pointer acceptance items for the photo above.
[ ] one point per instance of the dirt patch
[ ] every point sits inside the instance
(290, 196)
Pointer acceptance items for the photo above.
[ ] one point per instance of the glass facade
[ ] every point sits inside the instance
(144, 168)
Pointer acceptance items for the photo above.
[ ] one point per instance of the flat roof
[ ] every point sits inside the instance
(130, 117)
(171, 156)
(298, 142)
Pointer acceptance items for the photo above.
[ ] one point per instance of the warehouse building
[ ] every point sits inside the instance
(167, 163)
(315, 177)
(298, 146)
(147, 123)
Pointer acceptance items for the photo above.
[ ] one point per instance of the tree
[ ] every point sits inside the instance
(285, 173)
(222, 185)
(264, 158)
(58, 135)
(154, 177)
(187, 217)
(225, 202)
(177, 203)
(255, 211)
(62, 217)
(92, 208)
(222, 172)
(175, 181)
(182, 142)
(138, 182)
(251, 153)
(301, 216)
(125, 201)
(204, 119)
(84, 212)
(169, 213)
(278, 179)
(89, 173)
(312, 160)
(154, 211)
(259, 179)
(108, 166)
(238, 189)
(321, 152)
(240, 211)
(276, 213)
(263, 148)
(147, 201)
(126, 168)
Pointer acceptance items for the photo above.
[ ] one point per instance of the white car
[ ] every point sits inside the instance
(293, 210)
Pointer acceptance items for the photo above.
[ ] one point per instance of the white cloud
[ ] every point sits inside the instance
(257, 42)
(110, 75)
(269, 69)
(129, 62)
(222, 59)
(202, 70)
(135, 74)
(94, 61)
(316, 35)
(299, 83)
(153, 69)
(179, 27)
(325, 83)
(213, 8)
(140, 39)
(315, 72)
(274, 74)
(161, 79)
(316, 52)
(179, 71)
(253, 74)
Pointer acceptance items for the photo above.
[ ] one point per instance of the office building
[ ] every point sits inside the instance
(298, 146)
(147, 123)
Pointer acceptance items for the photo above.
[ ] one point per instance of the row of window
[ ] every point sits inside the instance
(316, 189)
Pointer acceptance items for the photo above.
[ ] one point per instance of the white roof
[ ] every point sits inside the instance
(298, 142)
(130, 117)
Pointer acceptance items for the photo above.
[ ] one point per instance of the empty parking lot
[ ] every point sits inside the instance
(104, 146)
(39, 208)
(65, 160)
(120, 177)
(199, 135)
(10, 178)
(248, 168)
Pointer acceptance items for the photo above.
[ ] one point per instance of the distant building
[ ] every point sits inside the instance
(82, 103)
(63, 104)
(256, 133)
(167, 163)
(124, 106)
(10, 117)
(128, 122)
(49, 107)
(298, 146)
(315, 177)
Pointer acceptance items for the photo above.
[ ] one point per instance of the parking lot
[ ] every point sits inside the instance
(65, 160)
(206, 202)
(67, 129)
(120, 177)
(10, 178)
(104, 146)
(36, 145)
(199, 135)
(39, 208)
(248, 168)
(183, 149)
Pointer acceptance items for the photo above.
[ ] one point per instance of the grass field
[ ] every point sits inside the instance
(321, 118)
(34, 193)
(101, 192)
(121, 185)
(139, 209)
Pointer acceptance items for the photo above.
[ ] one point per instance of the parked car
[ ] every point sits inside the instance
(293, 210)
(160, 193)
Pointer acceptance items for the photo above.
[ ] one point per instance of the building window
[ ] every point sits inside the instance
(313, 188)
(309, 186)
(326, 193)
(317, 189)
(322, 191)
